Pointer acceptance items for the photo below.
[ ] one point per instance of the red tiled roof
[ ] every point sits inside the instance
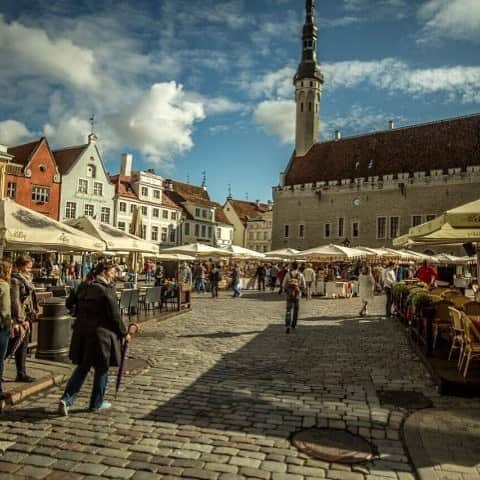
(439, 145)
(66, 157)
(168, 202)
(184, 192)
(123, 187)
(23, 153)
(220, 216)
(246, 210)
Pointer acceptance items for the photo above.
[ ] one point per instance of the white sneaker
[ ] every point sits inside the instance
(63, 408)
(104, 406)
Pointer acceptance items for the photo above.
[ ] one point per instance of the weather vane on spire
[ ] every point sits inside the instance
(229, 190)
(92, 123)
(92, 138)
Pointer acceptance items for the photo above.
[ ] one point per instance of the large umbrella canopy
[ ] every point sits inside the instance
(115, 239)
(175, 257)
(284, 253)
(23, 229)
(198, 250)
(241, 252)
(326, 252)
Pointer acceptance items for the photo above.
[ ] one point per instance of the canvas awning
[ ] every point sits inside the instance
(326, 252)
(24, 229)
(284, 253)
(174, 257)
(198, 250)
(241, 252)
(114, 238)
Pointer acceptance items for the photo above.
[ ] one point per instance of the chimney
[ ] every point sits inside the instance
(391, 125)
(338, 135)
(126, 167)
(169, 184)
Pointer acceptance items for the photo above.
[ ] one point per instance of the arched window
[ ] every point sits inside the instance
(91, 171)
(301, 107)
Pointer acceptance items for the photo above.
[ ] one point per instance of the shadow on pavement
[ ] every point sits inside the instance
(220, 334)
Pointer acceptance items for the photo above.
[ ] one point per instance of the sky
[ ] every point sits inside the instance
(193, 86)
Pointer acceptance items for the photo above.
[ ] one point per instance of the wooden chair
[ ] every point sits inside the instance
(442, 320)
(472, 345)
(457, 334)
(472, 308)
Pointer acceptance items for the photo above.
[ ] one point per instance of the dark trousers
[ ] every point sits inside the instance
(261, 283)
(273, 283)
(388, 293)
(4, 338)
(98, 388)
(214, 287)
(291, 316)
(20, 354)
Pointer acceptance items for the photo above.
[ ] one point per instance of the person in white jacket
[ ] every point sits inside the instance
(366, 288)
(389, 279)
(310, 276)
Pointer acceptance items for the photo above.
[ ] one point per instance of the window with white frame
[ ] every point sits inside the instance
(340, 227)
(11, 190)
(121, 226)
(89, 210)
(355, 229)
(155, 212)
(144, 192)
(197, 230)
(197, 212)
(204, 213)
(70, 210)
(82, 185)
(286, 231)
(219, 233)
(105, 215)
(164, 234)
(394, 226)
(144, 210)
(327, 230)
(416, 220)
(40, 194)
(165, 214)
(98, 189)
(132, 207)
(174, 216)
(172, 235)
(381, 227)
(204, 231)
(156, 194)
(122, 206)
(210, 232)
(187, 228)
(301, 231)
(209, 214)
(143, 233)
(154, 233)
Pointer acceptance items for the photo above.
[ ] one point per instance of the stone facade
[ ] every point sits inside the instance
(259, 232)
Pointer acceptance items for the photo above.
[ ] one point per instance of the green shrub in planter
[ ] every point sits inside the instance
(400, 288)
(421, 300)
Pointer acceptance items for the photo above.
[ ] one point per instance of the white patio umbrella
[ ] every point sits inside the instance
(198, 250)
(116, 240)
(25, 229)
(284, 253)
(174, 257)
(326, 252)
(241, 252)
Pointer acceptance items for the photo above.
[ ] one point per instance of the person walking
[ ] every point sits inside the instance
(260, 274)
(185, 274)
(273, 277)
(96, 339)
(5, 316)
(24, 311)
(215, 277)
(366, 288)
(293, 284)
(236, 281)
(310, 275)
(389, 279)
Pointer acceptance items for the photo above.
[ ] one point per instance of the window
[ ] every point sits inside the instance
(156, 194)
(301, 232)
(172, 235)
(144, 210)
(204, 213)
(265, 235)
(174, 215)
(197, 230)
(165, 214)
(40, 194)
(429, 217)
(197, 212)
(309, 106)
(122, 206)
(91, 171)
(105, 215)
(219, 233)
(155, 212)
(187, 229)
(394, 226)
(164, 234)
(132, 206)
(98, 189)
(381, 227)
(144, 192)
(210, 214)
(416, 220)
(327, 230)
(355, 229)
(121, 226)
(82, 186)
(144, 232)
(155, 234)
(89, 210)
(11, 190)
(341, 227)
(70, 210)
(204, 231)
(286, 229)
(210, 232)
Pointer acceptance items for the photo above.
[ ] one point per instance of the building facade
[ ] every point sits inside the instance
(32, 178)
(368, 189)
(160, 216)
(259, 232)
(86, 187)
(223, 228)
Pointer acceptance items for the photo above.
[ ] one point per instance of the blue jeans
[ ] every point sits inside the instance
(236, 289)
(4, 338)
(76, 381)
(291, 316)
(200, 285)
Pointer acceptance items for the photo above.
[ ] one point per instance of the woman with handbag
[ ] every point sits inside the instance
(5, 316)
(24, 311)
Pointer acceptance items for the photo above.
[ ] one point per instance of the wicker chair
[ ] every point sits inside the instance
(472, 308)
(438, 290)
(448, 294)
(472, 345)
(442, 321)
(457, 334)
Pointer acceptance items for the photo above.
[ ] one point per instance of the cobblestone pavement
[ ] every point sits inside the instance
(225, 389)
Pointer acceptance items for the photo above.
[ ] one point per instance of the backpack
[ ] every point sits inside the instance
(293, 285)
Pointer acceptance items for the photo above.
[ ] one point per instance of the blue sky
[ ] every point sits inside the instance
(194, 85)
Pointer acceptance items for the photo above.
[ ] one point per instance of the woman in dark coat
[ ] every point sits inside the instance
(96, 340)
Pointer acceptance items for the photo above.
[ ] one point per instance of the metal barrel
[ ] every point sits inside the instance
(54, 331)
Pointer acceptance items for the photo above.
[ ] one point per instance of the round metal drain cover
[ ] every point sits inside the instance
(331, 445)
(404, 399)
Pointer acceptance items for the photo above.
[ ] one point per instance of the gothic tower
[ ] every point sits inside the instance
(308, 83)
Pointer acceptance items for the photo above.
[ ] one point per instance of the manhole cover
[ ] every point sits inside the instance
(404, 399)
(332, 445)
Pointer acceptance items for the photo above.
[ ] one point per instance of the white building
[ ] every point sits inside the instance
(224, 228)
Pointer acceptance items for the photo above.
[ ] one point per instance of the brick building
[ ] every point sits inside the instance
(32, 178)
(368, 189)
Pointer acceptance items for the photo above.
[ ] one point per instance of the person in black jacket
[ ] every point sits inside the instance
(96, 340)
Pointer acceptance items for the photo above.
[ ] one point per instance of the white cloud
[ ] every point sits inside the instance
(13, 132)
(455, 19)
(219, 105)
(276, 84)
(277, 117)
(59, 58)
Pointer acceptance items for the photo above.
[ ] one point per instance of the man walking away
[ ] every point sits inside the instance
(293, 283)
(215, 278)
(236, 281)
(389, 279)
(261, 273)
(273, 277)
(310, 275)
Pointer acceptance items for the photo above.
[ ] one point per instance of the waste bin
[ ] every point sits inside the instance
(54, 331)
